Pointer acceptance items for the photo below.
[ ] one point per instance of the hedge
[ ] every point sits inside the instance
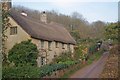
(34, 72)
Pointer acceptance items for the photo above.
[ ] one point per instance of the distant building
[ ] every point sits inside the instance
(51, 39)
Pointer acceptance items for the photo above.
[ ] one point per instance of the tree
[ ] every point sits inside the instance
(75, 34)
(76, 15)
(24, 53)
(98, 29)
(111, 31)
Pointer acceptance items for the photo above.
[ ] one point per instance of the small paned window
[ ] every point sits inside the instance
(68, 47)
(57, 44)
(42, 60)
(63, 46)
(13, 30)
(42, 44)
(49, 45)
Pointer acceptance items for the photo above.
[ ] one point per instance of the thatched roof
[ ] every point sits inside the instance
(50, 32)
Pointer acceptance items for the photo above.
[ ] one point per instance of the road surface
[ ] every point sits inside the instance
(93, 70)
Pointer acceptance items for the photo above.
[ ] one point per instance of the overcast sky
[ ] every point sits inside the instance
(90, 9)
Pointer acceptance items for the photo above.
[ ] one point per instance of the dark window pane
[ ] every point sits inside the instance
(13, 30)
(42, 44)
(49, 45)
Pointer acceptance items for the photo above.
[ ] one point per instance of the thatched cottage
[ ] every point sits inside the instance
(51, 39)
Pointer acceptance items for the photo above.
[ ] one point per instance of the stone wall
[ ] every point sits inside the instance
(60, 73)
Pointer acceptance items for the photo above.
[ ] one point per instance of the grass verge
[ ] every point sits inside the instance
(93, 58)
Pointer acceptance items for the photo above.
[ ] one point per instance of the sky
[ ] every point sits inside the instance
(104, 10)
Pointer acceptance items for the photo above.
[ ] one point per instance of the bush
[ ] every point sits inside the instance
(49, 69)
(34, 72)
(92, 48)
(79, 52)
(23, 53)
(21, 72)
(63, 57)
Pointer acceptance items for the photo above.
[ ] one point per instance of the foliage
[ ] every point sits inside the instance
(98, 29)
(21, 72)
(5, 25)
(111, 31)
(64, 61)
(48, 69)
(69, 62)
(79, 54)
(23, 53)
(94, 57)
(111, 68)
(86, 41)
(34, 72)
(75, 34)
(92, 48)
(63, 57)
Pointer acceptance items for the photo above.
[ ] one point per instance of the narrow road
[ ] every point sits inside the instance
(93, 70)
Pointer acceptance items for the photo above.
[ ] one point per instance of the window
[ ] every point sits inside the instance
(13, 30)
(63, 46)
(68, 46)
(42, 60)
(49, 45)
(55, 55)
(56, 44)
(42, 44)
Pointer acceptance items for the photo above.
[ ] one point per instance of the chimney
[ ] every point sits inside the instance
(6, 4)
(43, 17)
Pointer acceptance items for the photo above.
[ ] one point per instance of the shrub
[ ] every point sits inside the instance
(21, 72)
(23, 53)
(63, 57)
(79, 52)
(92, 48)
(33, 71)
(48, 69)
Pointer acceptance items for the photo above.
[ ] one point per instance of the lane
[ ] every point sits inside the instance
(93, 70)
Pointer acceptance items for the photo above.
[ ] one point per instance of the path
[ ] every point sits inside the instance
(93, 70)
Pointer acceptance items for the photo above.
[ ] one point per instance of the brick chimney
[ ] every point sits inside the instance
(43, 17)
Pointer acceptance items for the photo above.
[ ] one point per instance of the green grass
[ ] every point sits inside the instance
(66, 75)
(94, 57)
